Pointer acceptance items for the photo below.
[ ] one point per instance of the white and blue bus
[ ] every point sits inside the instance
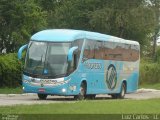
(80, 64)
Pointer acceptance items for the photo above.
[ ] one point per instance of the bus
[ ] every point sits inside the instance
(79, 63)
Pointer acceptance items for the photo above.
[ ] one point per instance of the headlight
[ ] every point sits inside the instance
(63, 90)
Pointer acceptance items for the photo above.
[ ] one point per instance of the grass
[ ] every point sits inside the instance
(6, 90)
(82, 110)
(88, 107)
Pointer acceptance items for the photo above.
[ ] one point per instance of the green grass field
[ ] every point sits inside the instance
(88, 107)
(82, 110)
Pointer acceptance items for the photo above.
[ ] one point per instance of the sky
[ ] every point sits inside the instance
(158, 39)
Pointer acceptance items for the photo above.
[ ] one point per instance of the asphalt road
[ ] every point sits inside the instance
(27, 99)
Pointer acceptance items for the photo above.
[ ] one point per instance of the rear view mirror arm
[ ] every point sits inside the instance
(21, 50)
(70, 53)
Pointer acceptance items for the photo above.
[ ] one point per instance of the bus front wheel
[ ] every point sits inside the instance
(42, 96)
(91, 97)
(82, 94)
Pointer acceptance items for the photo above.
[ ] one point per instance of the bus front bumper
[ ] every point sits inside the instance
(50, 90)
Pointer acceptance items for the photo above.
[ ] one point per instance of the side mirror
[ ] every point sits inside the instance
(21, 50)
(70, 53)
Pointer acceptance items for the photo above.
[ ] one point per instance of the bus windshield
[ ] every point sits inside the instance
(46, 59)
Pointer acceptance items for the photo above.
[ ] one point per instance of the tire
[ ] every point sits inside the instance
(42, 96)
(122, 93)
(114, 96)
(82, 94)
(90, 97)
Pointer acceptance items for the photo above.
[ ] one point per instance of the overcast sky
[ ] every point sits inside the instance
(158, 39)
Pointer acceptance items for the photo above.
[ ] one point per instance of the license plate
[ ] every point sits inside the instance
(41, 90)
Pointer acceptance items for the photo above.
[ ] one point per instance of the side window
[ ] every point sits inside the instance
(127, 52)
(89, 51)
(99, 51)
(131, 52)
(118, 51)
(108, 50)
(113, 51)
(93, 50)
(134, 53)
(123, 51)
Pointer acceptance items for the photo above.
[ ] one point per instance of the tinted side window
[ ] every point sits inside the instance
(134, 55)
(89, 51)
(120, 51)
(108, 50)
(99, 51)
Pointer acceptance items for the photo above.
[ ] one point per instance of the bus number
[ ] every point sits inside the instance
(93, 65)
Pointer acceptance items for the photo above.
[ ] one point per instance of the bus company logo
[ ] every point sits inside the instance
(111, 77)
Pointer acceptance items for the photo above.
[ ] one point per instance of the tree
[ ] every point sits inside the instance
(126, 19)
(129, 19)
(18, 20)
(155, 6)
(51, 7)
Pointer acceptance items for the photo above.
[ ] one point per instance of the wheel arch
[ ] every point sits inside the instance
(85, 82)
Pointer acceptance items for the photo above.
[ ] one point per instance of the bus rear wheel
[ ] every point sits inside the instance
(122, 93)
(114, 96)
(42, 96)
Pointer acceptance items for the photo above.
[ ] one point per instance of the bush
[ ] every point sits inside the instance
(157, 58)
(149, 72)
(10, 70)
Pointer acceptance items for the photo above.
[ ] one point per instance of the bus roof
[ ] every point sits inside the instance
(66, 35)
